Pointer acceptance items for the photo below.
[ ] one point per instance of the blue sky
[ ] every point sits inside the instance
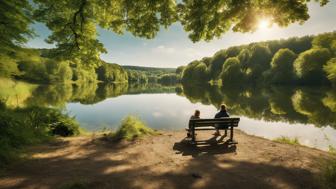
(172, 47)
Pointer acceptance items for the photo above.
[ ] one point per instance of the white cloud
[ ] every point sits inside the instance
(157, 114)
(163, 49)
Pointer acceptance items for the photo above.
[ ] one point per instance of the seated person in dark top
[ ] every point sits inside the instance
(195, 116)
(222, 113)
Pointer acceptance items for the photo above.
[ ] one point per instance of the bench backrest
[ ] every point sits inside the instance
(221, 122)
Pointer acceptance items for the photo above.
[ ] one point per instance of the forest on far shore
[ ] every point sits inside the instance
(41, 66)
(308, 60)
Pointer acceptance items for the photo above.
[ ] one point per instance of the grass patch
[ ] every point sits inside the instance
(131, 128)
(286, 140)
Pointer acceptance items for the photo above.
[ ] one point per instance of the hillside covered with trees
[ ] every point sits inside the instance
(41, 66)
(309, 60)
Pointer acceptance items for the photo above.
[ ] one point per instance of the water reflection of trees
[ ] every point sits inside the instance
(289, 104)
(84, 93)
(147, 88)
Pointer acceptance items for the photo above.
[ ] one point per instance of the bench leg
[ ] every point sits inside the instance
(225, 132)
(231, 133)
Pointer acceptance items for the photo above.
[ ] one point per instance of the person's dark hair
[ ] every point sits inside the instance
(223, 107)
(197, 113)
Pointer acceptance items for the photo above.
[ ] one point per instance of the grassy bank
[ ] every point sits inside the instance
(21, 127)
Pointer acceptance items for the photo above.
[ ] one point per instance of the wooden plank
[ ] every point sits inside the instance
(205, 128)
(209, 128)
(202, 128)
(214, 123)
(217, 125)
(215, 119)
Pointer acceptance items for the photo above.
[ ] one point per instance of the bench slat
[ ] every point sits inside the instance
(203, 128)
(214, 123)
(216, 119)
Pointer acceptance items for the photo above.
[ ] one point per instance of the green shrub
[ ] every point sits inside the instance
(286, 140)
(66, 127)
(27, 126)
(132, 128)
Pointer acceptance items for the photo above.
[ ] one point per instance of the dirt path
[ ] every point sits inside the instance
(166, 161)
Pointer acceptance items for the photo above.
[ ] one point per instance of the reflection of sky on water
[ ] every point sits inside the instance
(171, 112)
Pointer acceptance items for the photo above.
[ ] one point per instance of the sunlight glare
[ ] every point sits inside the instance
(264, 24)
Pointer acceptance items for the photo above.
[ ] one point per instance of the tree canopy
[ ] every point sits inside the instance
(74, 22)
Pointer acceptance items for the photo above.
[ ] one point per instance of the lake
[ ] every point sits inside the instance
(306, 113)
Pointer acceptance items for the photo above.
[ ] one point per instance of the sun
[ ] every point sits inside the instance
(264, 24)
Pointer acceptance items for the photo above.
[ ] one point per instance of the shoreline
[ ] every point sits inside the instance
(167, 161)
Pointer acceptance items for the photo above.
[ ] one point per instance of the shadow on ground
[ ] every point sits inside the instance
(104, 165)
(211, 146)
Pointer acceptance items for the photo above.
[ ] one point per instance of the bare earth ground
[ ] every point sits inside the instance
(166, 161)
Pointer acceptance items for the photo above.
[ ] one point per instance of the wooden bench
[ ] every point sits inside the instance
(212, 124)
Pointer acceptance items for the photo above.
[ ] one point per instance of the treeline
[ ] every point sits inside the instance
(309, 60)
(139, 74)
(40, 65)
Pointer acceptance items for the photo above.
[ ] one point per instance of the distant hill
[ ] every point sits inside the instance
(150, 69)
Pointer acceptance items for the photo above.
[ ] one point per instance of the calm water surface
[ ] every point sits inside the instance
(308, 114)
(169, 111)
